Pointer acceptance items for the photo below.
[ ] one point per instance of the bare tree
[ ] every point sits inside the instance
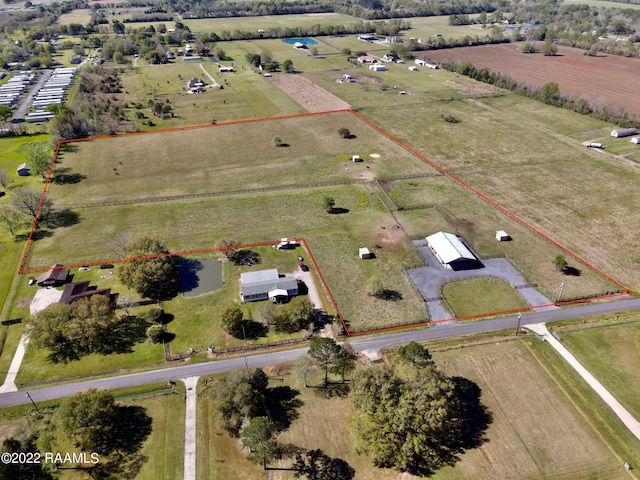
(117, 244)
(127, 301)
(4, 178)
(28, 200)
(11, 219)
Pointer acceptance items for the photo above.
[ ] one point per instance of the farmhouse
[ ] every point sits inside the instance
(624, 132)
(195, 85)
(451, 252)
(377, 67)
(78, 290)
(366, 59)
(23, 170)
(266, 284)
(53, 277)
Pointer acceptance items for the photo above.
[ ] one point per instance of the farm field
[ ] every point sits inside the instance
(253, 24)
(533, 434)
(576, 74)
(611, 354)
(592, 215)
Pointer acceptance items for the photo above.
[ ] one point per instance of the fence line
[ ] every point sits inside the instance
(218, 194)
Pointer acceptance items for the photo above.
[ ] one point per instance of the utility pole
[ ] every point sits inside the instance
(518, 327)
(34, 403)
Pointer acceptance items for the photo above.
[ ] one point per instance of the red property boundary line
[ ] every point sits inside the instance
(488, 200)
(27, 247)
(302, 241)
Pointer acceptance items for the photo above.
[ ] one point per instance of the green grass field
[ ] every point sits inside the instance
(610, 353)
(495, 296)
(527, 438)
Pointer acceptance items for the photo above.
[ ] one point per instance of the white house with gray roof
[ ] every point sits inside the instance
(266, 285)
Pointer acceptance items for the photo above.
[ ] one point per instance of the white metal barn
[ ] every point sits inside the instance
(451, 252)
(623, 132)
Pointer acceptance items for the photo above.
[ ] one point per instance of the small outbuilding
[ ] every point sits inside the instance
(635, 140)
(23, 170)
(364, 253)
(624, 132)
(451, 252)
(356, 158)
(377, 67)
(502, 236)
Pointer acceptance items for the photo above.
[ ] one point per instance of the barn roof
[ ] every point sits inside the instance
(449, 247)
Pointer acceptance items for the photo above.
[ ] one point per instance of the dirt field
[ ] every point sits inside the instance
(575, 73)
(308, 94)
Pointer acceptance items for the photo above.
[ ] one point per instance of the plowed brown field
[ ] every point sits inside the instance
(605, 79)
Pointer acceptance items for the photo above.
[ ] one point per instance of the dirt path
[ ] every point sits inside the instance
(623, 414)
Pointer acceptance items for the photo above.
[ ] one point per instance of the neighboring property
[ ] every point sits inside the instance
(451, 252)
(76, 60)
(78, 290)
(286, 244)
(23, 170)
(367, 37)
(223, 69)
(624, 132)
(300, 46)
(195, 85)
(194, 58)
(502, 236)
(377, 67)
(424, 63)
(53, 277)
(366, 59)
(364, 253)
(267, 285)
(391, 57)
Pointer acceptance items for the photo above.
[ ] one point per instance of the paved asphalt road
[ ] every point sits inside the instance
(446, 329)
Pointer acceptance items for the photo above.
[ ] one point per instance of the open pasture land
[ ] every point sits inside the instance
(429, 27)
(382, 89)
(264, 22)
(601, 4)
(228, 158)
(576, 74)
(245, 95)
(582, 199)
(186, 225)
(611, 354)
(81, 16)
(533, 434)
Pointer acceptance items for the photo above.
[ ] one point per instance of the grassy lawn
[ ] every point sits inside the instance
(481, 295)
(611, 354)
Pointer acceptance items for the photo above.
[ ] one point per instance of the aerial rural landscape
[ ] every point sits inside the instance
(328, 240)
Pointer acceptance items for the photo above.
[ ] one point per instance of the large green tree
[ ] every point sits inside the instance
(151, 271)
(259, 437)
(232, 320)
(39, 157)
(241, 395)
(344, 361)
(417, 420)
(72, 331)
(324, 350)
(295, 315)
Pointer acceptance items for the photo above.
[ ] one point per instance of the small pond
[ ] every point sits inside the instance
(200, 276)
